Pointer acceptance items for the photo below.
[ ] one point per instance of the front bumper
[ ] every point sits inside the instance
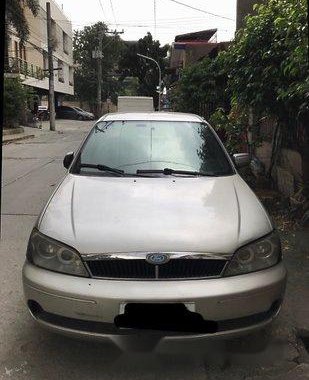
(86, 307)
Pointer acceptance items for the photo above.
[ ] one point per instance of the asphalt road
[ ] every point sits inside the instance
(32, 168)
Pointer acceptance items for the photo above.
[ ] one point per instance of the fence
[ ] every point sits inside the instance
(206, 109)
(19, 66)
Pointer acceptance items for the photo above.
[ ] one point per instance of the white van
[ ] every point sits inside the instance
(135, 104)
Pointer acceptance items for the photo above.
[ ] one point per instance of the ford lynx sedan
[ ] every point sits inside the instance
(152, 229)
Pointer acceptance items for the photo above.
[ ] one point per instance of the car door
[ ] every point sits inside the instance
(71, 113)
(66, 112)
(61, 112)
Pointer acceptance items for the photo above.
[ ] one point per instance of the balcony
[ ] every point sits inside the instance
(19, 66)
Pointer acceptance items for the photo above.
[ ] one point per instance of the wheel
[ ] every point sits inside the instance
(80, 117)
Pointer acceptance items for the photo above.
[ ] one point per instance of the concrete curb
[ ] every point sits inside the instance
(16, 138)
(13, 131)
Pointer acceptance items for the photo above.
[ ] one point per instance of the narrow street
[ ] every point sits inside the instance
(32, 168)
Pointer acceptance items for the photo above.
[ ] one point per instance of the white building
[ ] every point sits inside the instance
(31, 61)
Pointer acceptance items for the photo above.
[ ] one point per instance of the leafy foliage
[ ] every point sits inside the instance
(120, 65)
(130, 86)
(230, 127)
(15, 97)
(202, 83)
(14, 15)
(268, 63)
(265, 68)
(131, 65)
(85, 42)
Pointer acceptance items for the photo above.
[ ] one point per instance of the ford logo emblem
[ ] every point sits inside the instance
(157, 258)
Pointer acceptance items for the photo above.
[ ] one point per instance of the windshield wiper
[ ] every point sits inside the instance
(168, 171)
(102, 168)
(97, 128)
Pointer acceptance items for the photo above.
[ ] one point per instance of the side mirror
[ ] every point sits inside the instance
(68, 158)
(241, 159)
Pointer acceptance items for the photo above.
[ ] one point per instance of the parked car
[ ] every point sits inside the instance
(89, 115)
(75, 113)
(152, 228)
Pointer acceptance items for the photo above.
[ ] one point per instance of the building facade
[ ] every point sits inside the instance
(30, 61)
(190, 48)
(244, 8)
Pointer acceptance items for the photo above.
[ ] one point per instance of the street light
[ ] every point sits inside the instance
(160, 75)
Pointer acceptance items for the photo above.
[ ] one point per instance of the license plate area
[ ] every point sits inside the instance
(189, 305)
(172, 317)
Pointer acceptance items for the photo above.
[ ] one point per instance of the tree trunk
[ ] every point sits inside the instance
(276, 148)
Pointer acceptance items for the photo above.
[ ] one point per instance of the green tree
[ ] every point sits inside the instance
(15, 16)
(265, 69)
(268, 62)
(130, 86)
(131, 65)
(85, 42)
(268, 69)
(202, 84)
(15, 98)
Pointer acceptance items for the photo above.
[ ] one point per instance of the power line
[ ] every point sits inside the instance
(112, 7)
(201, 10)
(101, 5)
(126, 22)
(170, 25)
(155, 18)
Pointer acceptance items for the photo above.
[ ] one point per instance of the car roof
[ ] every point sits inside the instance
(162, 116)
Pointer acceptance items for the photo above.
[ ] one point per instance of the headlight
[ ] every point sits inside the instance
(50, 254)
(261, 254)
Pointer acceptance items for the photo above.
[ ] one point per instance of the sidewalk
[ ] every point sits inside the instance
(20, 133)
(23, 133)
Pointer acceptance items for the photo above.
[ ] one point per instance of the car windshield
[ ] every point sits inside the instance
(133, 146)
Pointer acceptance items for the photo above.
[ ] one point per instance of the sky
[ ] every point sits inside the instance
(137, 17)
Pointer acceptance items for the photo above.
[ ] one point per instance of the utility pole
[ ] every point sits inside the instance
(99, 88)
(51, 90)
(98, 54)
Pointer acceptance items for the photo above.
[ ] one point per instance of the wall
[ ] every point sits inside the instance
(263, 153)
(289, 170)
(37, 45)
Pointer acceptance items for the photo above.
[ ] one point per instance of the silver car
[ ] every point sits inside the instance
(152, 229)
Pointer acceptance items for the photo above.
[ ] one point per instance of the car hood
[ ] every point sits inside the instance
(87, 114)
(172, 214)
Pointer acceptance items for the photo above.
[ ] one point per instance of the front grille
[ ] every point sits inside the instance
(186, 268)
(122, 268)
(141, 269)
